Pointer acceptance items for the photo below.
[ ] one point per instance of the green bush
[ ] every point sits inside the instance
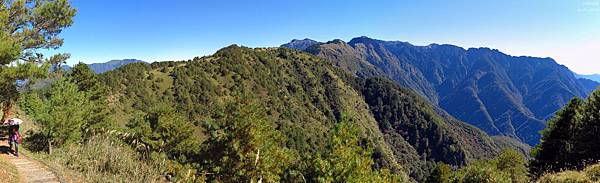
(513, 163)
(482, 172)
(441, 173)
(509, 166)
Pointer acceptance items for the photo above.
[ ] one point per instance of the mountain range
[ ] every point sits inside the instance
(593, 77)
(111, 65)
(498, 93)
(99, 68)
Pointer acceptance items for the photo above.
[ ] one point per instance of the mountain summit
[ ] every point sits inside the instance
(499, 93)
(300, 44)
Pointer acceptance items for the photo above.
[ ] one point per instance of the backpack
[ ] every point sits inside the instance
(19, 140)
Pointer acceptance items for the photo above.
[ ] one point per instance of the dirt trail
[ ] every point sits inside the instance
(29, 170)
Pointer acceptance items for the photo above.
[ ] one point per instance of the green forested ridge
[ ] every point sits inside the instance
(263, 115)
(299, 94)
(275, 114)
(241, 103)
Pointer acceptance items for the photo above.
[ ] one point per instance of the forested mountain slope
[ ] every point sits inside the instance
(499, 93)
(306, 96)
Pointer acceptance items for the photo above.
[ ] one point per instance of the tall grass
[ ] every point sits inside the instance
(589, 174)
(565, 177)
(102, 159)
(8, 171)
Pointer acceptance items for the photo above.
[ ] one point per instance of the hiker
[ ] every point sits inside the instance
(14, 137)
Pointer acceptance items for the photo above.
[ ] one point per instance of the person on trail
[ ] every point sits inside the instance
(14, 139)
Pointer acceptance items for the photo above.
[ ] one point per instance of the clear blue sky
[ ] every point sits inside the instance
(157, 30)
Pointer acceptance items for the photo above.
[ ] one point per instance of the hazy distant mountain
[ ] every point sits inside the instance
(589, 85)
(593, 77)
(300, 44)
(499, 93)
(62, 67)
(111, 65)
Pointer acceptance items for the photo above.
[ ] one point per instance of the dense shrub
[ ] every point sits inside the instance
(441, 173)
(508, 167)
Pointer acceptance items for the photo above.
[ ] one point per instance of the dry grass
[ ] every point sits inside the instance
(589, 174)
(8, 171)
(593, 172)
(101, 160)
(564, 177)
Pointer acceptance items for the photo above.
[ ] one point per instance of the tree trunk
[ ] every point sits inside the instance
(49, 141)
(6, 110)
(49, 146)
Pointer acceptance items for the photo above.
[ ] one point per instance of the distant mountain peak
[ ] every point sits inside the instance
(362, 39)
(111, 65)
(124, 60)
(303, 40)
(336, 41)
(300, 44)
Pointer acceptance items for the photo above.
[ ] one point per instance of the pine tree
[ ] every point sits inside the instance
(163, 130)
(244, 146)
(348, 158)
(63, 114)
(26, 26)
(556, 151)
(587, 140)
(87, 81)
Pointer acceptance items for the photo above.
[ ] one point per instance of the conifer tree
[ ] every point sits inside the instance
(244, 146)
(556, 152)
(587, 140)
(163, 130)
(27, 26)
(97, 94)
(63, 113)
(348, 158)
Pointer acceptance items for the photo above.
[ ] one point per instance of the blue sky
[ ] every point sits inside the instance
(158, 30)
